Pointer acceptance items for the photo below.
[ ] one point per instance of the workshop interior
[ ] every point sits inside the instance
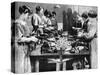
(53, 37)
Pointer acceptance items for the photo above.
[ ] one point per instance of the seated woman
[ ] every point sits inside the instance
(47, 15)
(51, 22)
(54, 21)
(38, 20)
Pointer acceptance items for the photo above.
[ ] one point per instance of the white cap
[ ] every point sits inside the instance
(57, 6)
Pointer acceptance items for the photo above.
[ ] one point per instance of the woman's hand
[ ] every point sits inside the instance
(28, 39)
(23, 39)
(80, 34)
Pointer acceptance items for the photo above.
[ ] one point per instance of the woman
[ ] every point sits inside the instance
(84, 21)
(92, 36)
(20, 33)
(54, 21)
(37, 19)
(47, 18)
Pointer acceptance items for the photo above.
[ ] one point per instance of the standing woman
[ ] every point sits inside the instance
(92, 34)
(21, 31)
(91, 37)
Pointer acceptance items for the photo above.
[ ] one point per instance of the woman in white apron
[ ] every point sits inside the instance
(22, 61)
(92, 34)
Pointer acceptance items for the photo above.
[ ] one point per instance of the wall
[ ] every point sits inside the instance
(61, 13)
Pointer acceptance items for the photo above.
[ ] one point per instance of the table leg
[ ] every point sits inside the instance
(37, 65)
(57, 66)
(64, 66)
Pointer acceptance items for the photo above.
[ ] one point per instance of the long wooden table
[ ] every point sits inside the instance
(61, 58)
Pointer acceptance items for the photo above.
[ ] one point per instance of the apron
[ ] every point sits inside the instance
(22, 61)
(92, 30)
